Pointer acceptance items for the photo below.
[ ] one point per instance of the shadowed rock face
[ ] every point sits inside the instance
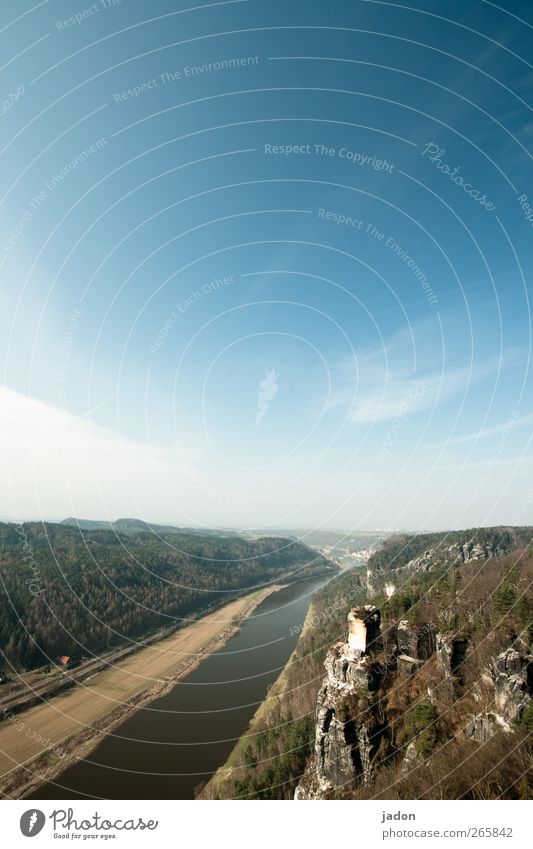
(406, 639)
(419, 644)
(349, 723)
(336, 745)
(426, 642)
(451, 651)
(481, 727)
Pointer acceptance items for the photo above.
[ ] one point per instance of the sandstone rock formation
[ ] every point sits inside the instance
(391, 579)
(481, 727)
(373, 680)
(513, 683)
(349, 718)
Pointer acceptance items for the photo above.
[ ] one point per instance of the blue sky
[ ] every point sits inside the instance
(315, 210)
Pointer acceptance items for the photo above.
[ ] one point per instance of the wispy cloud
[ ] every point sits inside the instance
(54, 463)
(398, 393)
(402, 374)
(478, 435)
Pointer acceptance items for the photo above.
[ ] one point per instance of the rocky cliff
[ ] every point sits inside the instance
(350, 719)
(400, 692)
(420, 688)
(386, 578)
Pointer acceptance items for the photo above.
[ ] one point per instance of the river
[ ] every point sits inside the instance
(167, 748)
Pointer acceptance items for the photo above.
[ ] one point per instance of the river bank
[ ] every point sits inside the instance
(215, 786)
(169, 748)
(74, 723)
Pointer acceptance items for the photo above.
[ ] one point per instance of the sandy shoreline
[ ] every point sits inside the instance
(74, 723)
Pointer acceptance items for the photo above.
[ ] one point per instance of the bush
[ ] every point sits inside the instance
(526, 720)
(421, 725)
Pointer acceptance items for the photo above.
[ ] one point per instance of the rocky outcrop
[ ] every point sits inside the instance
(349, 718)
(483, 726)
(372, 706)
(411, 757)
(511, 681)
(407, 666)
(406, 639)
(471, 550)
(513, 674)
(419, 644)
(388, 580)
(457, 553)
(451, 651)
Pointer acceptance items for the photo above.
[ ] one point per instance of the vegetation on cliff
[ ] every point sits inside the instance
(270, 758)
(398, 550)
(445, 711)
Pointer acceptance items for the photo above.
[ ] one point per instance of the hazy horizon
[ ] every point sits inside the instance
(336, 529)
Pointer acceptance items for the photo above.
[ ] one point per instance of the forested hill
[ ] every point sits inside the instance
(70, 591)
(477, 543)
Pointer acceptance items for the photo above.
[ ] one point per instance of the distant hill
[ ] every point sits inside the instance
(86, 524)
(127, 526)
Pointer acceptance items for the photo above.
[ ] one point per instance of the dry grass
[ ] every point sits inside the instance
(26, 735)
